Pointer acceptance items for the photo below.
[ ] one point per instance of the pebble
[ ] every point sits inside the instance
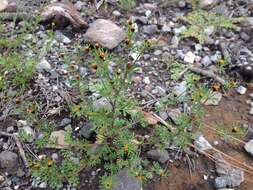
(55, 156)
(189, 57)
(28, 131)
(158, 52)
(241, 90)
(146, 80)
(198, 47)
(206, 61)
(180, 89)
(251, 111)
(116, 13)
(150, 29)
(10, 129)
(181, 4)
(43, 185)
(178, 31)
(64, 122)
(166, 28)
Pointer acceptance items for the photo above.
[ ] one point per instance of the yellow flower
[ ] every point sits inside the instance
(126, 147)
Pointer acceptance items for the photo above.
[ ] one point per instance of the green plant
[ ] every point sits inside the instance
(127, 4)
(199, 21)
(55, 175)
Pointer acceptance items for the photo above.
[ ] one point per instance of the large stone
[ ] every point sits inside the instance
(126, 182)
(9, 162)
(3, 5)
(106, 33)
(228, 175)
(57, 140)
(161, 156)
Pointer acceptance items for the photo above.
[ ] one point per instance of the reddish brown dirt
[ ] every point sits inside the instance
(232, 110)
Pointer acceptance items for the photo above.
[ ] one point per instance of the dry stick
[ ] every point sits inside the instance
(207, 73)
(172, 129)
(220, 132)
(249, 170)
(19, 145)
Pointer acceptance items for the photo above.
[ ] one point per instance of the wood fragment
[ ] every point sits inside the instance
(207, 73)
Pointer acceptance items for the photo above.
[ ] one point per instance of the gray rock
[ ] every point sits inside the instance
(244, 36)
(10, 129)
(102, 103)
(64, 122)
(198, 47)
(116, 13)
(57, 140)
(150, 29)
(207, 3)
(126, 182)
(214, 99)
(249, 147)
(86, 130)
(201, 143)
(180, 89)
(9, 162)
(141, 19)
(178, 31)
(166, 28)
(175, 41)
(158, 52)
(181, 4)
(189, 57)
(28, 132)
(79, 5)
(43, 185)
(161, 156)
(228, 176)
(20, 173)
(164, 115)
(174, 114)
(241, 90)
(60, 37)
(55, 156)
(146, 80)
(206, 61)
(106, 33)
(251, 111)
(43, 64)
(209, 30)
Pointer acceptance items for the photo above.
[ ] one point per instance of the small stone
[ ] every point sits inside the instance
(158, 52)
(201, 143)
(249, 147)
(214, 99)
(43, 185)
(209, 30)
(161, 156)
(61, 37)
(20, 173)
(189, 57)
(164, 115)
(102, 103)
(1, 178)
(241, 90)
(175, 114)
(251, 111)
(166, 28)
(178, 31)
(106, 33)
(10, 129)
(79, 5)
(116, 13)
(181, 4)
(148, 13)
(9, 161)
(57, 140)
(64, 122)
(206, 61)
(216, 143)
(180, 89)
(43, 65)
(198, 47)
(146, 80)
(175, 41)
(86, 130)
(207, 3)
(55, 156)
(28, 132)
(150, 29)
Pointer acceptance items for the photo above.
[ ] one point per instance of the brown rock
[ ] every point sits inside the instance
(62, 14)
(106, 33)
